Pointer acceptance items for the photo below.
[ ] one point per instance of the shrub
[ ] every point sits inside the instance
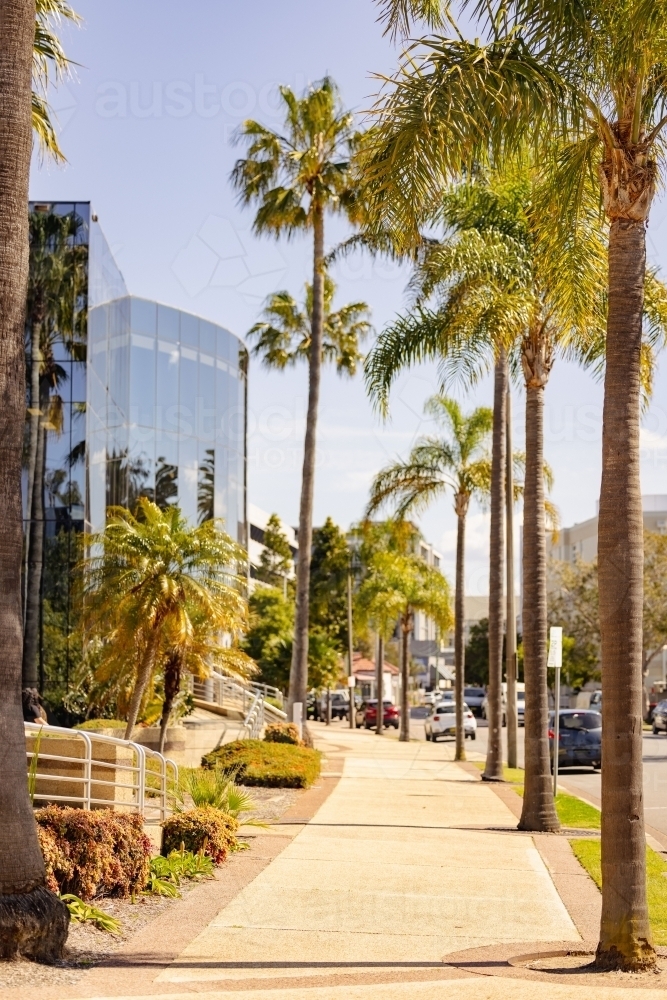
(205, 829)
(93, 853)
(215, 788)
(274, 765)
(282, 732)
(94, 725)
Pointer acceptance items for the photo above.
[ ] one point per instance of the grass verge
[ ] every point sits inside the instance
(572, 812)
(272, 765)
(588, 853)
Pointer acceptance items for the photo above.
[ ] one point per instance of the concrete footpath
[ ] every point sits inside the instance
(400, 874)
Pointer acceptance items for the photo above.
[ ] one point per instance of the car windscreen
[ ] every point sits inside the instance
(581, 720)
(473, 692)
(447, 709)
(521, 696)
(661, 706)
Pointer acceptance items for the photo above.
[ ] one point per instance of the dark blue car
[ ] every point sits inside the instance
(579, 738)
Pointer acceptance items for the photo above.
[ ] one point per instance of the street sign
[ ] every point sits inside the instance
(555, 658)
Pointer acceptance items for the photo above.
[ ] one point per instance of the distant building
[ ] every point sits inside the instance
(581, 540)
(258, 520)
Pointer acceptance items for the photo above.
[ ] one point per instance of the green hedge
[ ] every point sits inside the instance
(273, 765)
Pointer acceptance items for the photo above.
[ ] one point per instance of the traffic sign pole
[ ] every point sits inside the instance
(555, 660)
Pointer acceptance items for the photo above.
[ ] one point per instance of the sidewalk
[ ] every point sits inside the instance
(410, 877)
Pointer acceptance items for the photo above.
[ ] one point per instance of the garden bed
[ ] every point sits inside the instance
(272, 765)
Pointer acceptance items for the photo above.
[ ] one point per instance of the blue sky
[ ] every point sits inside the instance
(146, 127)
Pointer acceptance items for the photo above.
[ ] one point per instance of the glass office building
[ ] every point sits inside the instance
(166, 405)
(141, 400)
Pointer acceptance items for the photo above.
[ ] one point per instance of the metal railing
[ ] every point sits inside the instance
(254, 720)
(268, 691)
(226, 693)
(90, 770)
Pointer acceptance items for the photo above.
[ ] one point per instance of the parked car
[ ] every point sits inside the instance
(366, 714)
(579, 738)
(660, 718)
(442, 722)
(474, 698)
(340, 701)
(520, 702)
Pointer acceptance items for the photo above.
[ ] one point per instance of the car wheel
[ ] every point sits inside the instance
(655, 729)
(473, 736)
(597, 764)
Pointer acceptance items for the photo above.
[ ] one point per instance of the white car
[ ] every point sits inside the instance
(441, 721)
(520, 703)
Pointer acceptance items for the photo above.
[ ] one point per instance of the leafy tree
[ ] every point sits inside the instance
(295, 178)
(50, 64)
(276, 559)
(394, 587)
(477, 653)
(574, 605)
(269, 638)
(457, 461)
(584, 84)
(148, 578)
(34, 920)
(329, 568)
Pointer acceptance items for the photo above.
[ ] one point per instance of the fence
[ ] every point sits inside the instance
(93, 771)
(226, 693)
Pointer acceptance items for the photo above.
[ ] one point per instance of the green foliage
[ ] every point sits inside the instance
(282, 732)
(83, 913)
(283, 337)
(573, 604)
(156, 587)
(94, 725)
(166, 872)
(303, 169)
(49, 66)
(329, 567)
(204, 829)
(272, 765)
(269, 638)
(477, 653)
(217, 789)
(276, 560)
(93, 852)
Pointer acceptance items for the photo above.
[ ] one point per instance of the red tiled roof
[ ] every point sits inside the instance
(360, 665)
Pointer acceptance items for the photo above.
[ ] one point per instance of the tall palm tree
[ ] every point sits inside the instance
(56, 314)
(149, 579)
(396, 585)
(34, 920)
(585, 85)
(493, 282)
(457, 461)
(50, 65)
(295, 178)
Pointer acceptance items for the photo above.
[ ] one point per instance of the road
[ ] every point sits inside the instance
(585, 781)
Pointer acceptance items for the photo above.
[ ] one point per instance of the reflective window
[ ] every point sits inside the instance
(207, 337)
(144, 317)
(189, 330)
(142, 381)
(167, 323)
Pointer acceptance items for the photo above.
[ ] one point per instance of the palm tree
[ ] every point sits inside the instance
(396, 585)
(458, 462)
(55, 314)
(155, 587)
(50, 64)
(296, 178)
(493, 279)
(585, 85)
(34, 920)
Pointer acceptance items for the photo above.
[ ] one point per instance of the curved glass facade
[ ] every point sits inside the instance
(166, 413)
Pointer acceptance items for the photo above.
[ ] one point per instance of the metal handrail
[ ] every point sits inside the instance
(254, 720)
(141, 795)
(220, 690)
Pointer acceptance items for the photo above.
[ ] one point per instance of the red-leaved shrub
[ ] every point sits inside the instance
(205, 828)
(93, 853)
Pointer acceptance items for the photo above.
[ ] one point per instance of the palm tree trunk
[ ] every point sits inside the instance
(461, 501)
(405, 675)
(493, 770)
(33, 433)
(510, 627)
(538, 812)
(35, 555)
(298, 686)
(144, 672)
(379, 670)
(172, 685)
(625, 935)
(33, 921)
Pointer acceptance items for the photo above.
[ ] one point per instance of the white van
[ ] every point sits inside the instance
(520, 702)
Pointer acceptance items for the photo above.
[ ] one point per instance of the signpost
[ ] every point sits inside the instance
(555, 660)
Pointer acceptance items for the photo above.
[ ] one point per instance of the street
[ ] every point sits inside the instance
(585, 781)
